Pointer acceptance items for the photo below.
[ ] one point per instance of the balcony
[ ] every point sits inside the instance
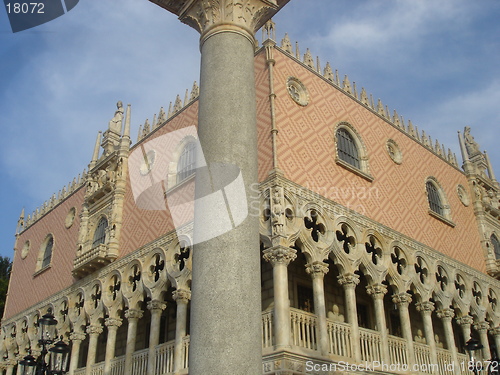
(91, 260)
(304, 344)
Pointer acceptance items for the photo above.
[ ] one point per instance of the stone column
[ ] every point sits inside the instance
(426, 308)
(155, 307)
(93, 331)
(378, 291)
(181, 297)
(496, 334)
(465, 323)
(76, 341)
(446, 315)
(318, 270)
(226, 293)
(113, 325)
(349, 282)
(482, 329)
(402, 301)
(280, 257)
(133, 317)
(10, 367)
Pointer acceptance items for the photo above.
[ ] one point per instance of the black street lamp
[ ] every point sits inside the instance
(473, 345)
(58, 354)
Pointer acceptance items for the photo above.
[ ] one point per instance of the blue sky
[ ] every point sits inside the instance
(435, 62)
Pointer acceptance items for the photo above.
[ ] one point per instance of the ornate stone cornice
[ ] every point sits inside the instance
(156, 305)
(77, 336)
(181, 295)
(402, 299)
(445, 314)
(280, 255)
(317, 269)
(425, 307)
(112, 322)
(348, 280)
(212, 16)
(94, 330)
(465, 320)
(133, 314)
(376, 290)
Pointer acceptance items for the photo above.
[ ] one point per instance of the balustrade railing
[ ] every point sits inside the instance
(370, 345)
(339, 335)
(303, 329)
(397, 350)
(164, 358)
(267, 329)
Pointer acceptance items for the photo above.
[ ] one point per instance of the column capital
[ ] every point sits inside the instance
(211, 16)
(402, 299)
(156, 305)
(112, 322)
(482, 326)
(181, 295)
(377, 291)
(495, 331)
(425, 307)
(279, 255)
(445, 314)
(77, 336)
(317, 269)
(348, 280)
(94, 330)
(132, 314)
(465, 320)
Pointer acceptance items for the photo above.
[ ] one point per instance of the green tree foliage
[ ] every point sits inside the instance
(5, 268)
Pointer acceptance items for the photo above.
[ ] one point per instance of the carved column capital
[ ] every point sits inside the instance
(317, 269)
(113, 323)
(348, 280)
(94, 330)
(279, 255)
(156, 305)
(212, 16)
(445, 314)
(181, 295)
(425, 307)
(77, 336)
(377, 291)
(482, 326)
(133, 314)
(402, 299)
(465, 320)
(495, 331)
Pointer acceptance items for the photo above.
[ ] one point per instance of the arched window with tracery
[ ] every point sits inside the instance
(347, 148)
(47, 253)
(186, 163)
(496, 245)
(435, 202)
(100, 232)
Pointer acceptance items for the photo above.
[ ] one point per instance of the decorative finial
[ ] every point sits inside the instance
(286, 45)
(328, 74)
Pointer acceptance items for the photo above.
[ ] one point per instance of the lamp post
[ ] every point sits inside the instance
(58, 354)
(473, 345)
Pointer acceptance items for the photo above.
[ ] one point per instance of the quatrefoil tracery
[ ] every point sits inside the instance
(398, 259)
(442, 278)
(421, 270)
(373, 250)
(343, 236)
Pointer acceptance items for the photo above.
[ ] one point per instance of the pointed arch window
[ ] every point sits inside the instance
(100, 232)
(186, 163)
(47, 253)
(496, 245)
(435, 202)
(347, 148)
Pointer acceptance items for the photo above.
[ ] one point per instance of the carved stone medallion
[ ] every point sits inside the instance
(297, 91)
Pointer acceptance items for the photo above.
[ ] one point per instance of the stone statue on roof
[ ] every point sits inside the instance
(470, 144)
(115, 124)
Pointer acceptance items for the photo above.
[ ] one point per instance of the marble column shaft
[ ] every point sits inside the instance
(76, 340)
(496, 335)
(181, 297)
(349, 282)
(133, 317)
(113, 325)
(155, 307)
(378, 291)
(93, 331)
(482, 329)
(465, 323)
(318, 270)
(426, 308)
(446, 315)
(403, 301)
(280, 257)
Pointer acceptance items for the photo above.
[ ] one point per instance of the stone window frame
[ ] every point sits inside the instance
(172, 176)
(363, 170)
(445, 214)
(101, 240)
(495, 249)
(44, 259)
